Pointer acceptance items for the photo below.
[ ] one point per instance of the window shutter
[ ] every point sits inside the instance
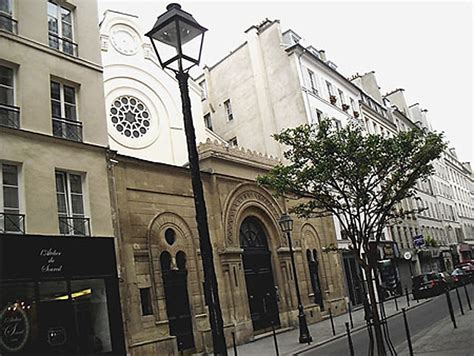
(306, 80)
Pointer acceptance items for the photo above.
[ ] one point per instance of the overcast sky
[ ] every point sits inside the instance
(424, 47)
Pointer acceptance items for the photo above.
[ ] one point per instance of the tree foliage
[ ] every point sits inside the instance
(358, 177)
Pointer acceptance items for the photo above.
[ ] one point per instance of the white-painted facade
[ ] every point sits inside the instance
(143, 103)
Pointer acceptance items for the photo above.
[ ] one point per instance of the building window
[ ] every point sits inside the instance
(10, 218)
(228, 110)
(208, 121)
(312, 82)
(64, 112)
(329, 86)
(233, 141)
(61, 29)
(70, 199)
(145, 298)
(9, 114)
(353, 107)
(203, 86)
(6, 19)
(341, 96)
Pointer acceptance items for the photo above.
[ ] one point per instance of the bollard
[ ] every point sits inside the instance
(349, 340)
(459, 301)
(467, 297)
(233, 343)
(450, 307)
(396, 303)
(181, 352)
(350, 315)
(407, 295)
(277, 353)
(407, 330)
(332, 323)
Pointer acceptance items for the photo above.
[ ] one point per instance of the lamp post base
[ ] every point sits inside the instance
(305, 337)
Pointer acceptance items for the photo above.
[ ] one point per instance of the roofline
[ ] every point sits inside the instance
(304, 50)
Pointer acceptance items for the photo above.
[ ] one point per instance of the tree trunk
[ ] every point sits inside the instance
(375, 314)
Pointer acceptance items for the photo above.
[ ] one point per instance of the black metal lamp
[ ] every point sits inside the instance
(175, 39)
(286, 225)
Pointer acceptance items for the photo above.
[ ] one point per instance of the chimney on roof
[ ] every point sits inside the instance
(322, 53)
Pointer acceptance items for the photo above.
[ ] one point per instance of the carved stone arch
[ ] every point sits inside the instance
(310, 237)
(157, 244)
(242, 198)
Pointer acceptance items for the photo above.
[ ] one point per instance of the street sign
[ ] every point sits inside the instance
(418, 241)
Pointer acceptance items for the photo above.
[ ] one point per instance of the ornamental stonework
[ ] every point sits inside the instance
(254, 198)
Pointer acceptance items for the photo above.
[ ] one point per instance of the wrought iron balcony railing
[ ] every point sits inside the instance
(8, 23)
(12, 223)
(63, 44)
(68, 129)
(74, 226)
(9, 116)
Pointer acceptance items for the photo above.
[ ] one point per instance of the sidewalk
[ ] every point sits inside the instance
(321, 332)
(442, 339)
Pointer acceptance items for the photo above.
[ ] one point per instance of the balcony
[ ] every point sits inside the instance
(74, 226)
(9, 116)
(12, 223)
(68, 129)
(7, 23)
(62, 44)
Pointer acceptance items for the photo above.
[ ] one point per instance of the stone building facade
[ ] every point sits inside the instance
(160, 262)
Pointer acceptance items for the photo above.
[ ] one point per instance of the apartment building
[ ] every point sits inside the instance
(58, 276)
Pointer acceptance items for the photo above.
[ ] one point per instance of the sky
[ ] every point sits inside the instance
(424, 47)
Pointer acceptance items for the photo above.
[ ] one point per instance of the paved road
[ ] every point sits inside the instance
(419, 319)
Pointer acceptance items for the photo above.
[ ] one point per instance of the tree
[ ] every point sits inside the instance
(359, 178)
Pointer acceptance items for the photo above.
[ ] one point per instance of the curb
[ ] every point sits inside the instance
(357, 329)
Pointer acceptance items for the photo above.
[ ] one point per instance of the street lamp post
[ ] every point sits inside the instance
(177, 35)
(286, 225)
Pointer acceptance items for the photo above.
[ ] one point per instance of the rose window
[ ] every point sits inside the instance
(130, 116)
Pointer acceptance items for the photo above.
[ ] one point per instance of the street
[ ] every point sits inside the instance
(420, 319)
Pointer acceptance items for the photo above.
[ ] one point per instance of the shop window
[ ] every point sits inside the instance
(145, 299)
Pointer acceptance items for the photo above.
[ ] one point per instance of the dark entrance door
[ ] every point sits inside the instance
(313, 264)
(353, 279)
(177, 300)
(258, 275)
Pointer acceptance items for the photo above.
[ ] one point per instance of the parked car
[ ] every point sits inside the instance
(461, 277)
(428, 285)
(448, 279)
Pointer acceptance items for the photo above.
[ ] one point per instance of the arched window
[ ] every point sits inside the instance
(165, 260)
(181, 260)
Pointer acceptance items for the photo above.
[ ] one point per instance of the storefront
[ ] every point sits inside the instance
(59, 295)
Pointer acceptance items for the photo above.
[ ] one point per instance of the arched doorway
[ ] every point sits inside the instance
(258, 275)
(313, 266)
(176, 298)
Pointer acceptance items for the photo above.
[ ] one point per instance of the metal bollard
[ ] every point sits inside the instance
(407, 330)
(459, 301)
(450, 307)
(467, 297)
(349, 340)
(396, 302)
(277, 352)
(371, 338)
(181, 352)
(233, 343)
(332, 323)
(350, 315)
(407, 295)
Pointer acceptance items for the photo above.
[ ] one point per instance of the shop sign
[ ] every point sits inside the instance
(51, 258)
(14, 328)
